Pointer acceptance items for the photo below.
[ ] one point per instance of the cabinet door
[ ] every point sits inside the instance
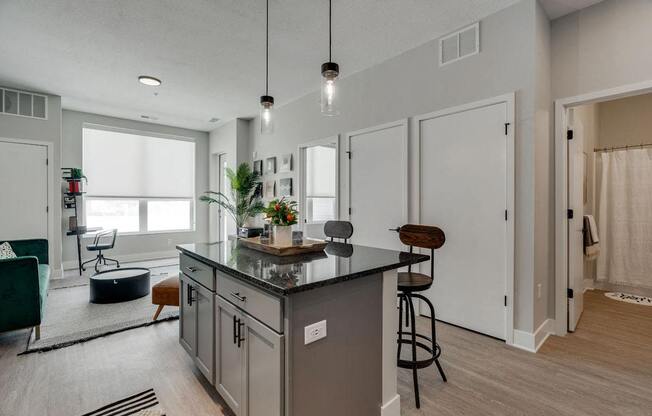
(264, 357)
(187, 315)
(229, 356)
(205, 348)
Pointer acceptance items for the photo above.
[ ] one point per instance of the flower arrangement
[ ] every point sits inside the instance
(282, 212)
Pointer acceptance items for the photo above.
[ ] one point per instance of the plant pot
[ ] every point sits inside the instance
(283, 235)
(73, 187)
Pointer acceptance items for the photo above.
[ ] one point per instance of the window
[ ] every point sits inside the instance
(321, 183)
(138, 183)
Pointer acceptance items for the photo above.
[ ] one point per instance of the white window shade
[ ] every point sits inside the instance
(320, 171)
(120, 164)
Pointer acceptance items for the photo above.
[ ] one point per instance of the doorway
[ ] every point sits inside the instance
(604, 198)
(466, 188)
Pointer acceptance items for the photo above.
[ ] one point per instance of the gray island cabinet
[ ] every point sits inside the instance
(307, 335)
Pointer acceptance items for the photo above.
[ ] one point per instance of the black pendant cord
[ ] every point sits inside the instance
(267, 50)
(330, 30)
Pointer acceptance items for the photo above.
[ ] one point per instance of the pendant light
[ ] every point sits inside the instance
(266, 101)
(329, 73)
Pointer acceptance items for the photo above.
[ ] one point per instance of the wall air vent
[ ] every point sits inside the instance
(23, 104)
(459, 45)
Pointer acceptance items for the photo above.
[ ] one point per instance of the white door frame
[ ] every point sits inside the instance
(561, 187)
(50, 189)
(301, 169)
(403, 123)
(509, 100)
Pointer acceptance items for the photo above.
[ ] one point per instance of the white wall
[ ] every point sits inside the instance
(412, 84)
(49, 130)
(145, 245)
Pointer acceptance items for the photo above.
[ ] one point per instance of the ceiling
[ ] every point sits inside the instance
(559, 8)
(209, 53)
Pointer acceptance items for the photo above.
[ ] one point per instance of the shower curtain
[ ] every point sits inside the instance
(624, 184)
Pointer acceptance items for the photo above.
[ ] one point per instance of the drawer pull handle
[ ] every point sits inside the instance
(240, 337)
(238, 297)
(191, 269)
(235, 332)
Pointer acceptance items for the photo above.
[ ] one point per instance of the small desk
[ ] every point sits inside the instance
(78, 233)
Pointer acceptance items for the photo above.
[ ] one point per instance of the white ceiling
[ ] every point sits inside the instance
(209, 53)
(559, 8)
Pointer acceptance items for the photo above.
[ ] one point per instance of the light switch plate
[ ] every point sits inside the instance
(314, 332)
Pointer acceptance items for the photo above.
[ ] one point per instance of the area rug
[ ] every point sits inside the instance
(624, 297)
(141, 404)
(71, 319)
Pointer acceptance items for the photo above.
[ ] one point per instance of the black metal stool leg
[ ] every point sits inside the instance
(436, 349)
(400, 326)
(415, 376)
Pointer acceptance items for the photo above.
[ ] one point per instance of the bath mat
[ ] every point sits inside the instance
(141, 404)
(624, 297)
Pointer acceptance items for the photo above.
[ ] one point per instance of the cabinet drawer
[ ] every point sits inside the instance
(200, 272)
(268, 309)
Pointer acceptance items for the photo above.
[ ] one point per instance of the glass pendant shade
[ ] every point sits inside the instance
(329, 94)
(266, 114)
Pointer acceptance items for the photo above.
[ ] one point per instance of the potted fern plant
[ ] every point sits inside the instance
(243, 203)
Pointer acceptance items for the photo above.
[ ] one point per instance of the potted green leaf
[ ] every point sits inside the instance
(243, 202)
(282, 215)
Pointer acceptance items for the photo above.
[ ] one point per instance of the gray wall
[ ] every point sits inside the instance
(13, 127)
(145, 245)
(627, 121)
(412, 84)
(603, 46)
(543, 295)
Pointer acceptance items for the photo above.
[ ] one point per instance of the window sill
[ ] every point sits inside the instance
(138, 233)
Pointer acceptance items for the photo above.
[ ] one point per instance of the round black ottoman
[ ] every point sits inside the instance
(119, 285)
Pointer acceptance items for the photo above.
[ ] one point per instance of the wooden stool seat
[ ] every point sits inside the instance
(413, 282)
(165, 293)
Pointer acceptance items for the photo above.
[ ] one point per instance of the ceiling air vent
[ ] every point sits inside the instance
(23, 104)
(459, 45)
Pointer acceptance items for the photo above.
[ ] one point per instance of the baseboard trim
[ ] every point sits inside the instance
(127, 258)
(392, 407)
(531, 342)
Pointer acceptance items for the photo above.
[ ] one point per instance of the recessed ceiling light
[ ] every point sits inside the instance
(151, 81)
(214, 120)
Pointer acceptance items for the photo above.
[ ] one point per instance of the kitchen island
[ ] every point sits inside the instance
(306, 335)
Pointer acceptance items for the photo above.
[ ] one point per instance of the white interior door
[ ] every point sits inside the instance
(575, 224)
(464, 178)
(24, 184)
(378, 184)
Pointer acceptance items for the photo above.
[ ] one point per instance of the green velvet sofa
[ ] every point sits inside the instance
(24, 285)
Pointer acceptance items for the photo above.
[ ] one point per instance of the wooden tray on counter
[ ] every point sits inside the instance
(309, 246)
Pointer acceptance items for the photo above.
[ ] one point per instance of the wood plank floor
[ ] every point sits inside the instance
(605, 368)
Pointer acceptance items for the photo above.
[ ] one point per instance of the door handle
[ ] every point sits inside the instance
(240, 338)
(189, 298)
(237, 296)
(235, 333)
(191, 269)
(397, 229)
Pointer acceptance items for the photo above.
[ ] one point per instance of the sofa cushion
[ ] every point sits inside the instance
(6, 252)
(44, 283)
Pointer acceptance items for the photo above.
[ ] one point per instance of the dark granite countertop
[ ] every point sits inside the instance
(286, 275)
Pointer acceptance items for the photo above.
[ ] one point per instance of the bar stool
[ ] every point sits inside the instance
(409, 285)
(338, 229)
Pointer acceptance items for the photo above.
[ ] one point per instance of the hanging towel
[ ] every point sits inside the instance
(591, 239)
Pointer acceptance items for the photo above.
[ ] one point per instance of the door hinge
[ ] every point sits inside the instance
(569, 134)
(505, 301)
(505, 215)
(349, 211)
(47, 161)
(47, 209)
(570, 214)
(507, 127)
(570, 293)
(349, 153)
